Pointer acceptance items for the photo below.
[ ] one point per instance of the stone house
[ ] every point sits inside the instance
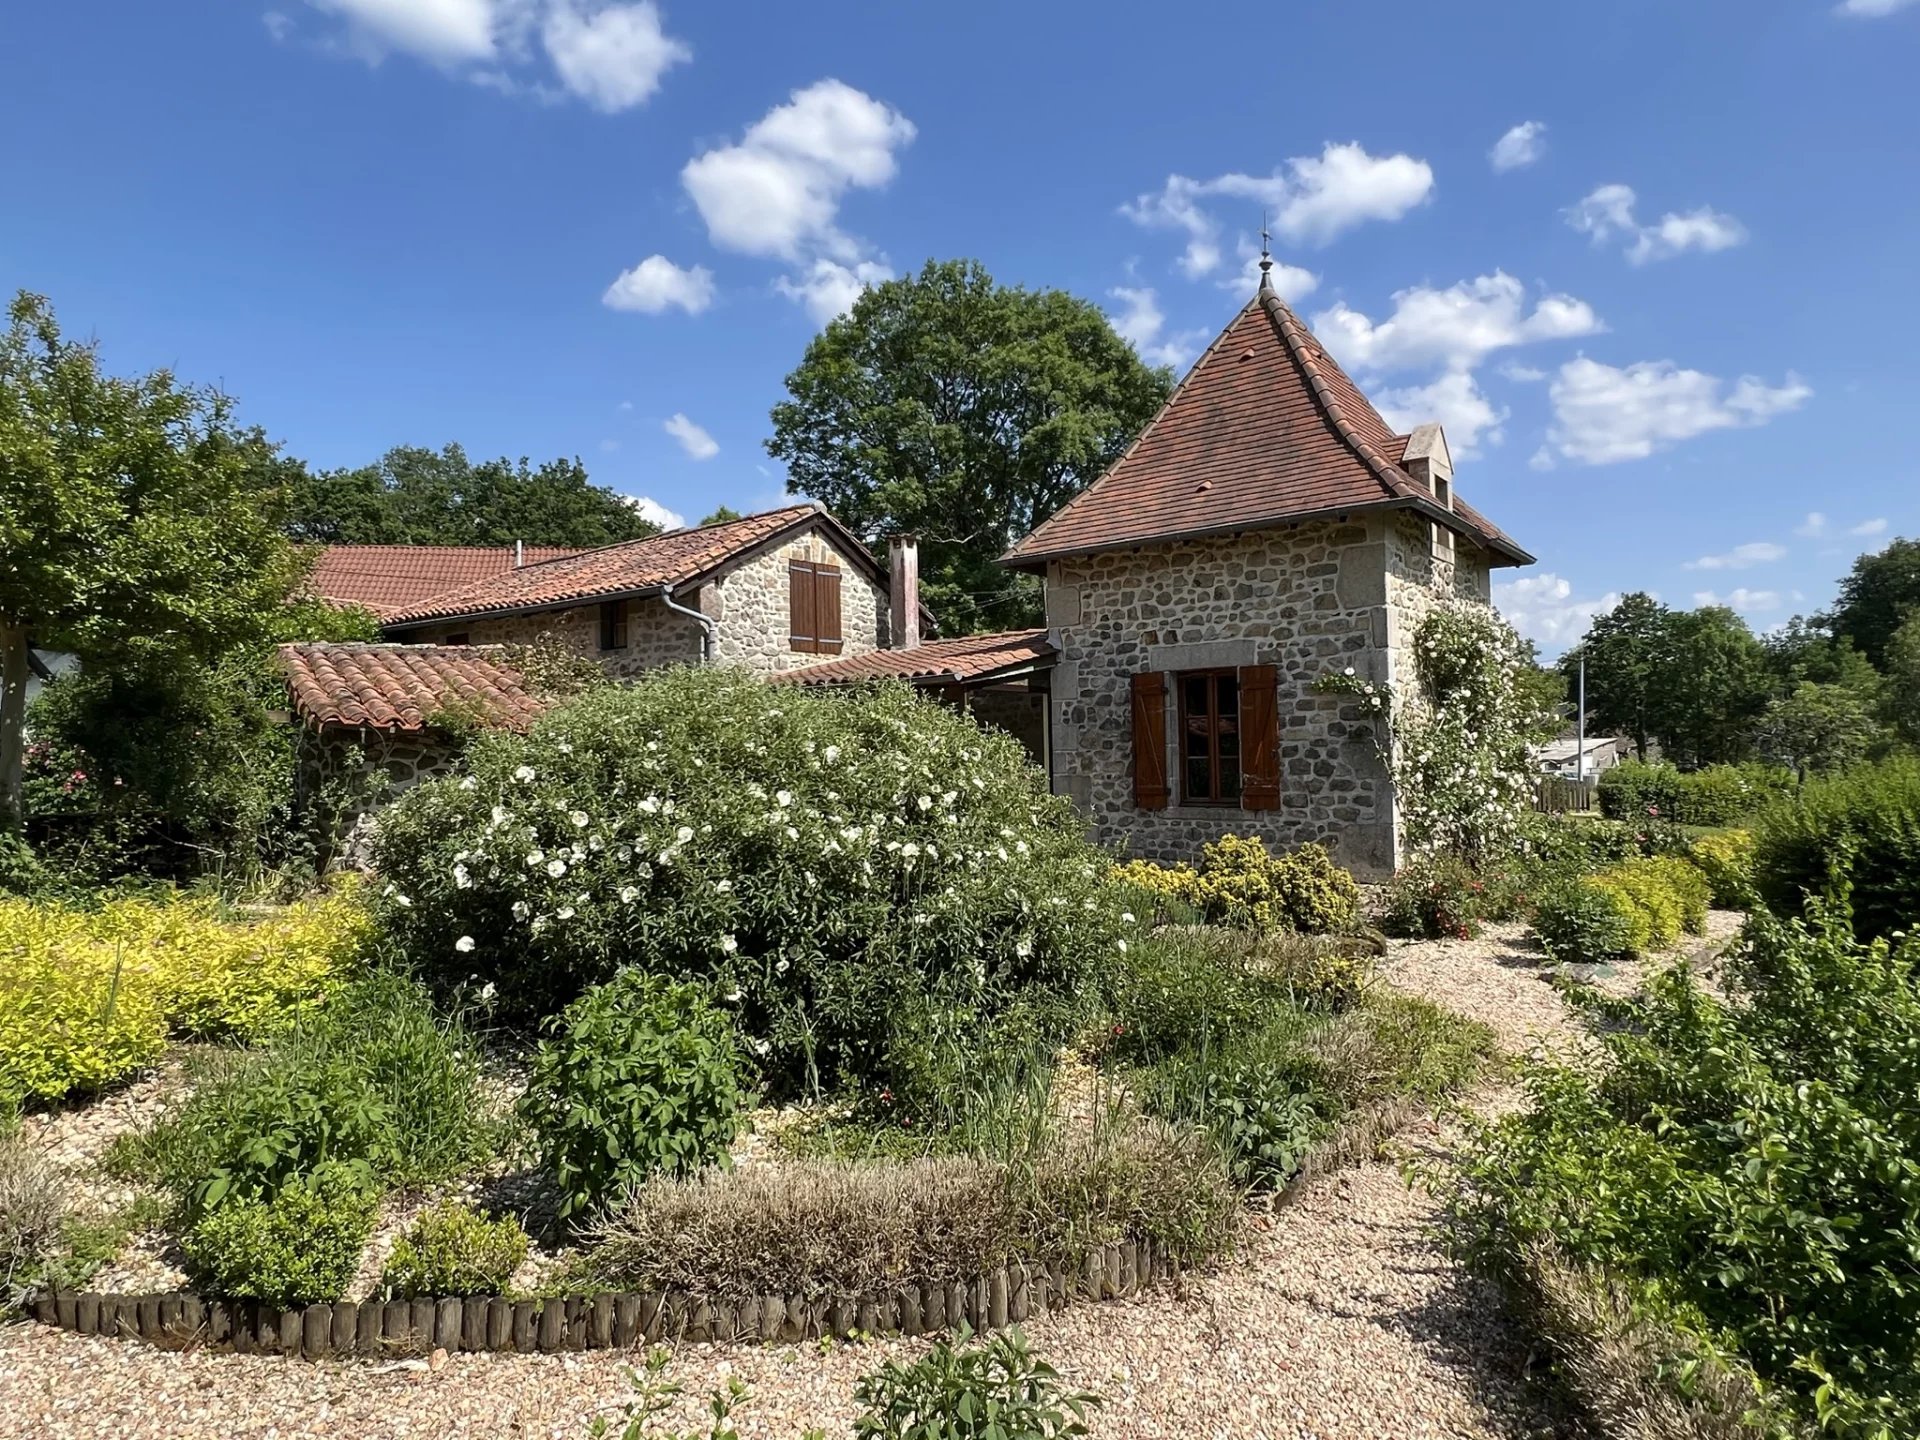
(1266, 529)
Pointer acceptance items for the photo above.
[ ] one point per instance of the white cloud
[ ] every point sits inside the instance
(1813, 527)
(1542, 607)
(1608, 212)
(279, 24)
(1741, 599)
(828, 289)
(1520, 146)
(694, 440)
(1314, 199)
(1453, 399)
(657, 284)
(651, 509)
(1758, 552)
(1871, 9)
(1867, 529)
(1603, 414)
(1522, 374)
(624, 405)
(778, 191)
(1142, 324)
(1456, 327)
(613, 57)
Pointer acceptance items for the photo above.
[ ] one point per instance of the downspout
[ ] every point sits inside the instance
(709, 642)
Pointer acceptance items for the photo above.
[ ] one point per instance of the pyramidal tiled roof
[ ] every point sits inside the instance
(387, 579)
(628, 568)
(1266, 428)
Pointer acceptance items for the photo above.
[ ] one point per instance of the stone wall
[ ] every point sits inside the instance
(747, 603)
(339, 770)
(1308, 599)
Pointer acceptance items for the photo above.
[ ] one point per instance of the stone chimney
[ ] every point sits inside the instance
(903, 590)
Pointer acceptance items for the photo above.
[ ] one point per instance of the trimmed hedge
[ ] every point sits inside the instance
(1716, 795)
(1853, 837)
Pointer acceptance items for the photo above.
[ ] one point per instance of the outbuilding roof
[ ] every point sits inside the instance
(1265, 429)
(967, 660)
(387, 579)
(403, 687)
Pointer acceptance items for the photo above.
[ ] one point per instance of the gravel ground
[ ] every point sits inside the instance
(1341, 1321)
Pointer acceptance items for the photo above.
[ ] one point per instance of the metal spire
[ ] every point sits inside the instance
(1266, 256)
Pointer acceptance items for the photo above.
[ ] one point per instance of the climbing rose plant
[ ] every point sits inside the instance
(1455, 746)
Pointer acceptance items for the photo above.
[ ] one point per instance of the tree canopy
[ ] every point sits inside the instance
(1876, 597)
(416, 496)
(964, 412)
(140, 524)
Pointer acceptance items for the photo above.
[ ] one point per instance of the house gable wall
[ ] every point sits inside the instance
(747, 602)
(1308, 599)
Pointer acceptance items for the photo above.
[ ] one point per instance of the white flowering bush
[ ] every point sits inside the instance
(1456, 744)
(849, 869)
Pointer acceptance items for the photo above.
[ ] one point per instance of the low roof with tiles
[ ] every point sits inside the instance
(967, 660)
(1266, 429)
(402, 687)
(632, 567)
(387, 579)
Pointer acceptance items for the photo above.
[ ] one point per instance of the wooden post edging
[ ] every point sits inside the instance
(609, 1320)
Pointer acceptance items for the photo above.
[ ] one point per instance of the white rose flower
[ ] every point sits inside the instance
(521, 909)
(523, 774)
(832, 753)
(461, 880)
(728, 944)
(683, 834)
(783, 798)
(565, 912)
(579, 819)
(463, 944)
(628, 894)
(469, 783)
(556, 868)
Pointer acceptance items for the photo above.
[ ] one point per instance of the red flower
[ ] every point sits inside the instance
(1119, 1029)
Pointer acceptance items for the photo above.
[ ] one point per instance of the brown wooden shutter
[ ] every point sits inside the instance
(826, 590)
(1259, 737)
(803, 610)
(1150, 740)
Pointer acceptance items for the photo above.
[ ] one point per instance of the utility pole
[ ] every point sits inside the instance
(1580, 728)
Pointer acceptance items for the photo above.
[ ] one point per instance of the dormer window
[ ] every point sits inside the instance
(1443, 490)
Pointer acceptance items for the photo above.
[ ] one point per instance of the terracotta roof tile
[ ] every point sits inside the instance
(389, 578)
(970, 657)
(630, 567)
(401, 687)
(1265, 428)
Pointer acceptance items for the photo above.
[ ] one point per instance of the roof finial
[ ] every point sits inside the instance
(1266, 255)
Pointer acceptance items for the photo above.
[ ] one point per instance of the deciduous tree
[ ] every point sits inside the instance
(965, 412)
(1876, 597)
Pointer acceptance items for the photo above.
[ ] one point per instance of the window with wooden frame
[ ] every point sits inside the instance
(613, 625)
(1209, 737)
(1226, 747)
(813, 607)
(464, 637)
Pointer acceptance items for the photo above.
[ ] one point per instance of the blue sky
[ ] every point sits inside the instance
(1651, 263)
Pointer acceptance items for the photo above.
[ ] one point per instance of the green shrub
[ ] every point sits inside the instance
(635, 1076)
(1179, 988)
(997, 1390)
(452, 1249)
(1239, 883)
(1725, 857)
(830, 856)
(1395, 1047)
(1573, 844)
(1434, 897)
(1259, 1102)
(1854, 836)
(297, 1247)
(1581, 921)
(1744, 1169)
(1633, 790)
(376, 1081)
(1713, 795)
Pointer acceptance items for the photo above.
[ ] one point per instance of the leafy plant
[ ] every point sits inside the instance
(840, 862)
(1434, 897)
(298, 1246)
(452, 1249)
(1583, 922)
(1260, 1102)
(1725, 857)
(634, 1077)
(959, 1390)
(376, 1082)
(1743, 1169)
(1854, 838)
(1238, 883)
(656, 1394)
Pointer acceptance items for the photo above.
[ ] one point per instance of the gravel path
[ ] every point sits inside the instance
(1341, 1322)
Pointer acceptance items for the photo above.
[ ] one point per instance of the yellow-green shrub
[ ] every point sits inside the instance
(1239, 883)
(1726, 858)
(88, 996)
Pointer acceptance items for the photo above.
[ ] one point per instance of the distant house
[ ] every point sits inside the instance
(1562, 757)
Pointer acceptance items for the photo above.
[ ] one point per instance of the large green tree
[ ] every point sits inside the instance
(1876, 597)
(1901, 702)
(964, 412)
(1713, 689)
(139, 524)
(415, 496)
(1626, 654)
